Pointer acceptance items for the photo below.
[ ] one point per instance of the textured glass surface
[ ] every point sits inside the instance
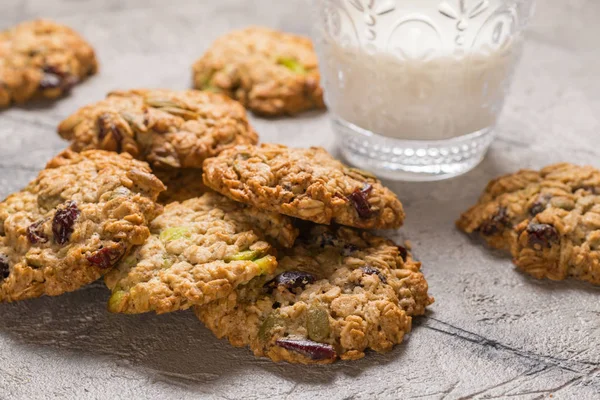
(415, 86)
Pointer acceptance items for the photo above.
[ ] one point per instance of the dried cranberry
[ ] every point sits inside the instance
(106, 126)
(63, 221)
(367, 269)
(403, 252)
(360, 202)
(308, 348)
(4, 267)
(35, 232)
(106, 257)
(291, 280)
(495, 224)
(542, 234)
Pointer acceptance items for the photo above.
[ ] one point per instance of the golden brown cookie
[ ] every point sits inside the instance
(71, 224)
(200, 250)
(335, 294)
(548, 219)
(42, 59)
(303, 183)
(167, 128)
(270, 72)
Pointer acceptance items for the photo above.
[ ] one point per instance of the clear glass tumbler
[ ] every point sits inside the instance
(415, 86)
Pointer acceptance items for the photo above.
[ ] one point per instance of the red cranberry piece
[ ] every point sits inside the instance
(4, 267)
(291, 280)
(308, 348)
(495, 224)
(105, 127)
(542, 234)
(367, 269)
(35, 232)
(106, 257)
(360, 202)
(63, 221)
(403, 252)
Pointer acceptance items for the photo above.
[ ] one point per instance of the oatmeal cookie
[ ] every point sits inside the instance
(548, 219)
(505, 202)
(335, 294)
(271, 73)
(42, 59)
(182, 184)
(199, 251)
(72, 223)
(304, 183)
(167, 128)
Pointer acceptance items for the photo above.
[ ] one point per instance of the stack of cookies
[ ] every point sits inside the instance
(166, 195)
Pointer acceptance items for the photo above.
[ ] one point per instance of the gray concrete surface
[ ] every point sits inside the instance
(492, 333)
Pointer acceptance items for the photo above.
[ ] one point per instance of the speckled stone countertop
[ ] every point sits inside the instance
(492, 332)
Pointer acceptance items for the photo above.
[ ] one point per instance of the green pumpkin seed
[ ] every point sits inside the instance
(317, 324)
(175, 233)
(292, 64)
(271, 321)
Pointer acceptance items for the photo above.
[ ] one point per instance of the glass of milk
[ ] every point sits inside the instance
(415, 86)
